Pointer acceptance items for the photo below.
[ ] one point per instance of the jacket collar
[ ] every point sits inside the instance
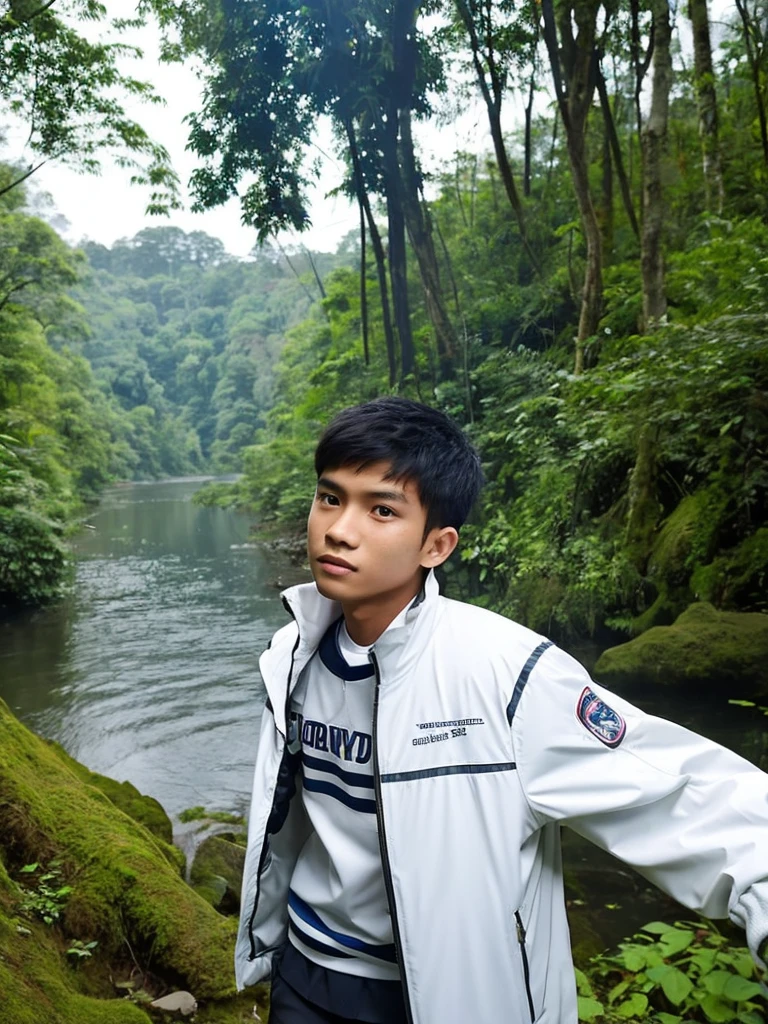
(396, 649)
(314, 613)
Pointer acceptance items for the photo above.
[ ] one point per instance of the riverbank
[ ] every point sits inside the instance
(104, 874)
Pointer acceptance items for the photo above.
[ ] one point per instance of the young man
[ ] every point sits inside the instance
(418, 756)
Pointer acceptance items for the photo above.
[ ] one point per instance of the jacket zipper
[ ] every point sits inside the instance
(526, 968)
(263, 856)
(383, 844)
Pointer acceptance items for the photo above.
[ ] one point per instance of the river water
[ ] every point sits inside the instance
(148, 672)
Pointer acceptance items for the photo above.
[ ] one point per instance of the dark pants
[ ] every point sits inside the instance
(287, 1007)
(314, 995)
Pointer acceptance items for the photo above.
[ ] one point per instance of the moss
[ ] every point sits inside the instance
(737, 578)
(36, 984)
(238, 1010)
(703, 647)
(687, 531)
(126, 886)
(217, 873)
(144, 809)
(199, 813)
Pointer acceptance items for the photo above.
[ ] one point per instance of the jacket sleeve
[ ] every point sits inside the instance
(689, 815)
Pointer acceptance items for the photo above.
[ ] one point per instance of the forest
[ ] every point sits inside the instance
(588, 298)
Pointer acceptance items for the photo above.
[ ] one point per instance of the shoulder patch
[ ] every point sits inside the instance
(596, 717)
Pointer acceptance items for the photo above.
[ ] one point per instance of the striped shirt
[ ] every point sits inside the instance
(337, 906)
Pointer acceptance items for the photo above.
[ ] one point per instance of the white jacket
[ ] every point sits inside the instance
(486, 739)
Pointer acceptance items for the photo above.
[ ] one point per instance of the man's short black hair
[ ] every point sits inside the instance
(420, 443)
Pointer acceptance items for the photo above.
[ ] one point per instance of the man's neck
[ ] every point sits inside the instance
(366, 622)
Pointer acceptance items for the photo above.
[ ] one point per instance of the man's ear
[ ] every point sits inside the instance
(438, 546)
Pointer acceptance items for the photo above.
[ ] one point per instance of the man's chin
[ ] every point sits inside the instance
(329, 588)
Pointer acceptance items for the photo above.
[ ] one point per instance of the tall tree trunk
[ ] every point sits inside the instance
(654, 140)
(706, 99)
(755, 46)
(528, 130)
(606, 201)
(378, 250)
(618, 160)
(574, 81)
(398, 259)
(492, 97)
(363, 288)
(420, 235)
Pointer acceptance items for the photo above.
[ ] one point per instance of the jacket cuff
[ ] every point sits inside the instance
(751, 913)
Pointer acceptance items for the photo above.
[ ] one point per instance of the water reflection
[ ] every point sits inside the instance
(149, 672)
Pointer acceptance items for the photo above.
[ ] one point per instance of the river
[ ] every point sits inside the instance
(148, 671)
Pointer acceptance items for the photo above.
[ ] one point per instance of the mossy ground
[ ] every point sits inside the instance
(127, 893)
(703, 647)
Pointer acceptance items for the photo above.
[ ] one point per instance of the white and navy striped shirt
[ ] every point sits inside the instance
(338, 913)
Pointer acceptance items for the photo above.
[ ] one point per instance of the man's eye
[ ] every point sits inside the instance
(384, 511)
(328, 499)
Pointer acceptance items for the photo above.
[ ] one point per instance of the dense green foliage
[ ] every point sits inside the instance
(185, 338)
(150, 358)
(623, 489)
(667, 974)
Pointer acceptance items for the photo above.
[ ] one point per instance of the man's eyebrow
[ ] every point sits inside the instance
(331, 485)
(389, 496)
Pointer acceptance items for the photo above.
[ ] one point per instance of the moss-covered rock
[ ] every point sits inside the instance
(737, 578)
(144, 809)
(217, 873)
(36, 985)
(703, 646)
(126, 892)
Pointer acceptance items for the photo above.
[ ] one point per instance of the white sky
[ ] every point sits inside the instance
(106, 207)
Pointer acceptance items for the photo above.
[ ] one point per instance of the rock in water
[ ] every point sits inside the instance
(177, 1002)
(727, 651)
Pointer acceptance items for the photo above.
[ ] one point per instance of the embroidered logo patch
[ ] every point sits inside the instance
(602, 721)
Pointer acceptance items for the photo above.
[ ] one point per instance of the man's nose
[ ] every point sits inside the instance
(344, 529)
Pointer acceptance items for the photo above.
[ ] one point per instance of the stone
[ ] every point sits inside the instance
(177, 1002)
(217, 873)
(724, 651)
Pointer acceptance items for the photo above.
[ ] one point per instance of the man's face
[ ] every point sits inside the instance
(366, 539)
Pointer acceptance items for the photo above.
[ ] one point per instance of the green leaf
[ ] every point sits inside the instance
(668, 1018)
(676, 986)
(583, 985)
(635, 1006)
(744, 964)
(717, 1010)
(716, 982)
(739, 989)
(658, 928)
(676, 941)
(589, 1008)
(634, 960)
(617, 990)
(660, 972)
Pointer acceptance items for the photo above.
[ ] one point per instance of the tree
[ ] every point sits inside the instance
(754, 21)
(706, 98)
(573, 61)
(272, 71)
(497, 39)
(654, 139)
(65, 89)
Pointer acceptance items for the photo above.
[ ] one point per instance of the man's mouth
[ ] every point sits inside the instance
(336, 566)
